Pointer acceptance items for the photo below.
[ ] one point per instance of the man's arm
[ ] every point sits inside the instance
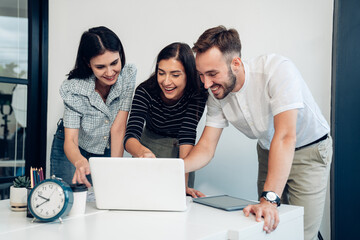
(183, 152)
(281, 155)
(204, 150)
(281, 152)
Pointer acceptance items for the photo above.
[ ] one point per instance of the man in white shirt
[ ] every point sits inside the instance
(266, 99)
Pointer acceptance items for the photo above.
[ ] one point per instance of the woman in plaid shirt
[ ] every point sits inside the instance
(97, 97)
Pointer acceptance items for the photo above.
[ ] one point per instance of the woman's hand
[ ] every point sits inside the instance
(82, 169)
(194, 193)
(136, 149)
(147, 154)
(72, 151)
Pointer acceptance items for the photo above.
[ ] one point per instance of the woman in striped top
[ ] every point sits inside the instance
(171, 103)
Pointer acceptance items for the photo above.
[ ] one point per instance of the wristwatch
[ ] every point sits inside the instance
(271, 197)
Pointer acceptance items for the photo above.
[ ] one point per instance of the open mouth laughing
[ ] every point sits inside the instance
(169, 89)
(215, 89)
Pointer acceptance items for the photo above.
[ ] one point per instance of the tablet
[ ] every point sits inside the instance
(224, 202)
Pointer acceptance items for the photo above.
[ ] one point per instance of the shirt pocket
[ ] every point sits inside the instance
(92, 121)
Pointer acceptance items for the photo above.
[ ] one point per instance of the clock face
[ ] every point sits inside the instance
(47, 200)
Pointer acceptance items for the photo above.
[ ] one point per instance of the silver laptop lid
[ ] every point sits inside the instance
(139, 183)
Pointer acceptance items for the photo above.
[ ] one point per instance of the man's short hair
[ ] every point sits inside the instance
(226, 40)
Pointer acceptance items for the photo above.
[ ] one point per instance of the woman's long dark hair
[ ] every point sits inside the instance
(183, 53)
(95, 42)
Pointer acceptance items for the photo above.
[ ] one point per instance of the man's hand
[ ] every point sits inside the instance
(266, 210)
(194, 193)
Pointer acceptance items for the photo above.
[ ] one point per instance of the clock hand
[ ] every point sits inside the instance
(41, 203)
(47, 199)
(52, 193)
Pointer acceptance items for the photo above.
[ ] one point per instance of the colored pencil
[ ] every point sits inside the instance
(41, 174)
(31, 177)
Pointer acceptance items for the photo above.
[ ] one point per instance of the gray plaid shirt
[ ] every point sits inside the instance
(85, 110)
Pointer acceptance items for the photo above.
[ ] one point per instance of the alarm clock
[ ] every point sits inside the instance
(50, 200)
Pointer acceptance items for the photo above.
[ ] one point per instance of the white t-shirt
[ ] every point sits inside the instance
(272, 85)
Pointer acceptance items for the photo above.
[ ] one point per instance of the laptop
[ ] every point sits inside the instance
(156, 184)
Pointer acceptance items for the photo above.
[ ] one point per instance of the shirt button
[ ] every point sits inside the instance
(105, 137)
(106, 121)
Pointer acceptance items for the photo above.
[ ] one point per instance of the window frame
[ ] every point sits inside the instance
(37, 82)
(345, 117)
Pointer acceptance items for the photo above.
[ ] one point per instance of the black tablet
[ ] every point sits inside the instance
(224, 202)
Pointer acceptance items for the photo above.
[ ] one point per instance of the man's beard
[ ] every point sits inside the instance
(229, 85)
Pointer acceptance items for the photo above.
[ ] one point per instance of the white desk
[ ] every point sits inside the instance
(198, 222)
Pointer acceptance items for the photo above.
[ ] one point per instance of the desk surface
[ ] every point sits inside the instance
(198, 222)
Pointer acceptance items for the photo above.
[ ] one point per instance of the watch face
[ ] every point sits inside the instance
(271, 196)
(47, 200)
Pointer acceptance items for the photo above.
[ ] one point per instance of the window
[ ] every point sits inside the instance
(14, 40)
(23, 88)
(13, 105)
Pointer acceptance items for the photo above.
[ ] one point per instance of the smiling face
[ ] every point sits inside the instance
(171, 78)
(106, 68)
(216, 74)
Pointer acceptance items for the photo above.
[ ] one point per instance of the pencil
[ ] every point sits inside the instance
(41, 174)
(34, 176)
(37, 176)
(31, 178)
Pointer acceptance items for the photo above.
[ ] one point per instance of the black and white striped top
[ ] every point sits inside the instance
(178, 121)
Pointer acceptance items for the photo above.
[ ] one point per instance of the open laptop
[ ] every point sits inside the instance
(139, 183)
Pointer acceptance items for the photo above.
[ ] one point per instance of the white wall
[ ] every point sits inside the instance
(300, 30)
